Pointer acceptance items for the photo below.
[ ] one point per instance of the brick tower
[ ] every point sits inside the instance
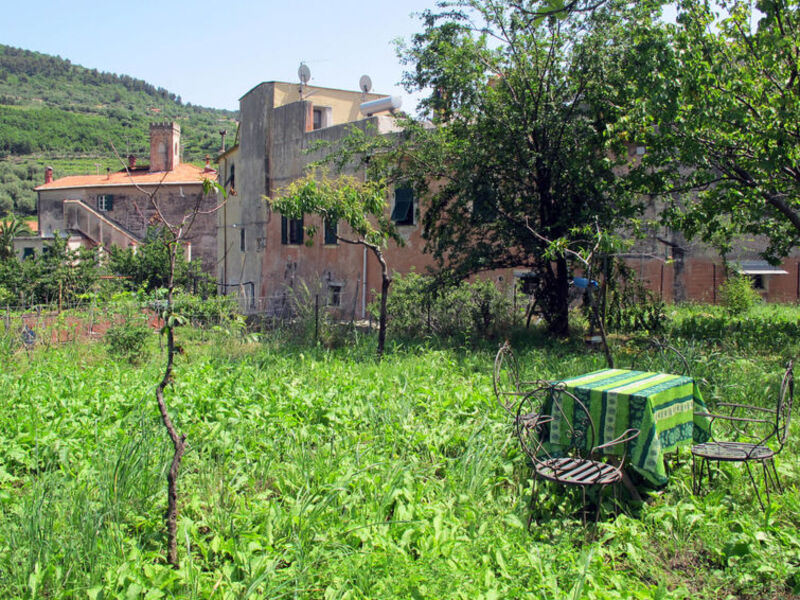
(165, 146)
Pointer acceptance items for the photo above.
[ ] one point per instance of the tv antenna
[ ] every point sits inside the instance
(365, 85)
(304, 73)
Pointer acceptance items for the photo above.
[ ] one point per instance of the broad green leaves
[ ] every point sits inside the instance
(726, 119)
(528, 143)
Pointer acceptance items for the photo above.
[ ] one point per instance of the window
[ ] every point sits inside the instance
(322, 116)
(640, 150)
(28, 252)
(291, 231)
(758, 282)
(334, 294)
(403, 212)
(484, 208)
(331, 231)
(232, 177)
(242, 240)
(105, 202)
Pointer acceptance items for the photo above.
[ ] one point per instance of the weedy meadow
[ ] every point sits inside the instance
(322, 473)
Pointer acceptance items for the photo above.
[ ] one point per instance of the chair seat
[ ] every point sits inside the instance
(732, 451)
(578, 471)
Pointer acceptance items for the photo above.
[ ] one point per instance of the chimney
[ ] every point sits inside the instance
(131, 162)
(222, 134)
(165, 141)
(48, 175)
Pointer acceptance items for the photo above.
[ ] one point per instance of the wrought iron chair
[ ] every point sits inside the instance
(508, 388)
(751, 445)
(657, 354)
(576, 461)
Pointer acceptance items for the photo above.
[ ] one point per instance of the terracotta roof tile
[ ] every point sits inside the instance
(182, 174)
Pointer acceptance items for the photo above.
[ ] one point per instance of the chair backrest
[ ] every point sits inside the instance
(506, 379)
(548, 406)
(785, 401)
(659, 355)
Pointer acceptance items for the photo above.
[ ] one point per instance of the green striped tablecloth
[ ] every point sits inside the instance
(663, 407)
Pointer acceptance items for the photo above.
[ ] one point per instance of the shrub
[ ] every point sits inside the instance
(737, 294)
(127, 340)
(630, 306)
(418, 307)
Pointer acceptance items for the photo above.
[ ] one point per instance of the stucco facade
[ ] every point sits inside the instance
(280, 125)
(257, 254)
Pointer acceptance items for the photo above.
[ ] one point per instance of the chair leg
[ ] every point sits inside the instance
(531, 504)
(755, 486)
(766, 479)
(776, 479)
(697, 475)
(599, 503)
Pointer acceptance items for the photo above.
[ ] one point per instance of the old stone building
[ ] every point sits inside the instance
(265, 257)
(115, 208)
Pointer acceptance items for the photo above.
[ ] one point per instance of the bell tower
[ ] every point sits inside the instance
(165, 146)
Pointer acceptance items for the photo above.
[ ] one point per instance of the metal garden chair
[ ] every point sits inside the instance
(756, 439)
(508, 387)
(575, 460)
(657, 354)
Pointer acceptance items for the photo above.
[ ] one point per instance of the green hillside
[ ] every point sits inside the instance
(55, 113)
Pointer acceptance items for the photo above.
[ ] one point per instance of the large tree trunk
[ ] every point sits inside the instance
(557, 299)
(385, 283)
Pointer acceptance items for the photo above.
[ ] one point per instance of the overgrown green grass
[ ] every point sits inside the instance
(322, 474)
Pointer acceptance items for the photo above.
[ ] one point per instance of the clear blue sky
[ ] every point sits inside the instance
(212, 53)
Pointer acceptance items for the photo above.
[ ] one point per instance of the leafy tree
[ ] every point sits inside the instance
(10, 228)
(362, 206)
(58, 274)
(723, 112)
(149, 265)
(523, 160)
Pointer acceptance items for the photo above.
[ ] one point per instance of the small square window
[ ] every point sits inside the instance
(105, 202)
(640, 150)
(403, 212)
(331, 232)
(28, 253)
(321, 117)
(334, 294)
(291, 231)
(758, 282)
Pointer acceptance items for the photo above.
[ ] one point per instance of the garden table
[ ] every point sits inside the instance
(667, 410)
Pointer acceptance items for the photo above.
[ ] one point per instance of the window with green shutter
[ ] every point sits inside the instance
(403, 211)
(291, 231)
(105, 202)
(331, 232)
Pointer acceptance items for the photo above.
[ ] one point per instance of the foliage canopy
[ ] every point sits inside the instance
(526, 158)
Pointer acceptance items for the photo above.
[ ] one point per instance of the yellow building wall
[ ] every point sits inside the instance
(344, 104)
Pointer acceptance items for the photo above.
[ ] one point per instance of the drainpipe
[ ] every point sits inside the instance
(364, 287)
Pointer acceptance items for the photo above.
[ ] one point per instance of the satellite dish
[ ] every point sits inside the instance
(365, 84)
(304, 73)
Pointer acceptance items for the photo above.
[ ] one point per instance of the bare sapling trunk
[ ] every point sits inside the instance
(178, 440)
(177, 232)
